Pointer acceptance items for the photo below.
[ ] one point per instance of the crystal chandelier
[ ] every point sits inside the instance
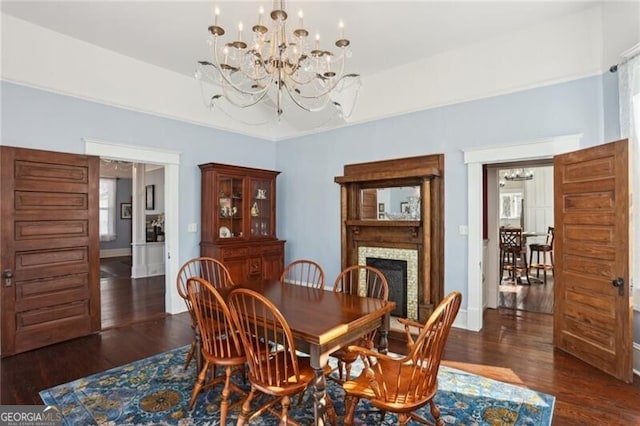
(274, 63)
(518, 175)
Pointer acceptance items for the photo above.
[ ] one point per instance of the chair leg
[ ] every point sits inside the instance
(331, 412)
(192, 351)
(435, 412)
(199, 384)
(340, 369)
(351, 402)
(403, 418)
(246, 407)
(286, 402)
(347, 369)
(224, 404)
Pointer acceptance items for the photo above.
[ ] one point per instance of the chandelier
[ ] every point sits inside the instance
(518, 175)
(273, 63)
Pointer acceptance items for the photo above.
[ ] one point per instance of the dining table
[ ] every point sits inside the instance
(323, 321)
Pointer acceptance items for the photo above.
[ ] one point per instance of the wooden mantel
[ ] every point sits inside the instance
(425, 235)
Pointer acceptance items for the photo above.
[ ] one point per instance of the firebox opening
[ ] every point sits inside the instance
(395, 271)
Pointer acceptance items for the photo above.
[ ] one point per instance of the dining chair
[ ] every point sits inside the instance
(221, 345)
(304, 272)
(545, 249)
(274, 367)
(366, 281)
(404, 385)
(210, 270)
(513, 254)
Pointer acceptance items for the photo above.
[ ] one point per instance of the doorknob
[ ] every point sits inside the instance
(619, 282)
(7, 274)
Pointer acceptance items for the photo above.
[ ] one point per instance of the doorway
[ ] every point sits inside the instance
(128, 292)
(170, 161)
(542, 149)
(523, 197)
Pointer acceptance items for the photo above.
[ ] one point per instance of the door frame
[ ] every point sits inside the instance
(474, 158)
(171, 162)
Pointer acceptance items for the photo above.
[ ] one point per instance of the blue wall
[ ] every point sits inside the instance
(308, 198)
(42, 120)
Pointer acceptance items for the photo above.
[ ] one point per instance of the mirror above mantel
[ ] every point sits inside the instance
(390, 203)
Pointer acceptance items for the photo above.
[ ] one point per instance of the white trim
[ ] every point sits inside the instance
(636, 358)
(171, 162)
(475, 158)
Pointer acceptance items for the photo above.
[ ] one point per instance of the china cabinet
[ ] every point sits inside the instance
(239, 221)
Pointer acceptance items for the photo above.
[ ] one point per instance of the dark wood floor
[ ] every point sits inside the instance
(515, 346)
(125, 300)
(536, 297)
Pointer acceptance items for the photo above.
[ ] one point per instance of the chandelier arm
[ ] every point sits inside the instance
(219, 68)
(239, 105)
(330, 88)
(235, 87)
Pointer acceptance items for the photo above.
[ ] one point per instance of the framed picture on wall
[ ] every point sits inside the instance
(150, 197)
(125, 211)
(380, 207)
(404, 207)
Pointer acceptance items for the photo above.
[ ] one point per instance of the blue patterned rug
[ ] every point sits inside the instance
(156, 391)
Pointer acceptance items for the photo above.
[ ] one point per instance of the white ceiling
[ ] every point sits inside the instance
(384, 34)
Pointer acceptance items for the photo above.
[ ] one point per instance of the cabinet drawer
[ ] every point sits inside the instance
(271, 249)
(227, 253)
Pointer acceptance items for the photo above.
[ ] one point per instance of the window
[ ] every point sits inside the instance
(107, 209)
(510, 205)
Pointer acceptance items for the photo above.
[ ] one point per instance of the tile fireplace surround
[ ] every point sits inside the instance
(409, 256)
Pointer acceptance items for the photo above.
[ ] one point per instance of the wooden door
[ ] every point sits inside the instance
(50, 253)
(593, 316)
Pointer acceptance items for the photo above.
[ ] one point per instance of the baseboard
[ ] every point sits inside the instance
(461, 319)
(636, 358)
(115, 252)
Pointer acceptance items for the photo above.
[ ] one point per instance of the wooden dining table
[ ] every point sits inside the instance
(323, 321)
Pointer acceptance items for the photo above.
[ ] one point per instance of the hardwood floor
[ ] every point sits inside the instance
(515, 346)
(537, 297)
(125, 300)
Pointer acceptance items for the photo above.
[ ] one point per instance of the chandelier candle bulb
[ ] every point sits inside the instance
(274, 60)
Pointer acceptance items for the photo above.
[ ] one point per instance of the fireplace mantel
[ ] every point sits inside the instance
(424, 235)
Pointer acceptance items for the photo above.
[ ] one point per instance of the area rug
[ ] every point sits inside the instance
(156, 391)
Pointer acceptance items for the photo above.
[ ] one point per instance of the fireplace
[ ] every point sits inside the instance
(395, 271)
(400, 268)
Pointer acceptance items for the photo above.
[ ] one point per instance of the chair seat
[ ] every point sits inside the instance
(400, 400)
(541, 247)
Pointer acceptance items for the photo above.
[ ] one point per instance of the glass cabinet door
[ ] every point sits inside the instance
(261, 207)
(230, 212)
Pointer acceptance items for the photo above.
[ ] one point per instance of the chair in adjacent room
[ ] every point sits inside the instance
(210, 270)
(404, 385)
(546, 250)
(304, 272)
(274, 367)
(365, 281)
(221, 345)
(513, 255)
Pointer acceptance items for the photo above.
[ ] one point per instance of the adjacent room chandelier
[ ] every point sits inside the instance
(273, 62)
(518, 175)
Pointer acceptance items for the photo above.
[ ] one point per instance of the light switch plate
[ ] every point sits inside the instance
(192, 227)
(464, 230)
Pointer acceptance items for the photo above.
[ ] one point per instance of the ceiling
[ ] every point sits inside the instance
(384, 34)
